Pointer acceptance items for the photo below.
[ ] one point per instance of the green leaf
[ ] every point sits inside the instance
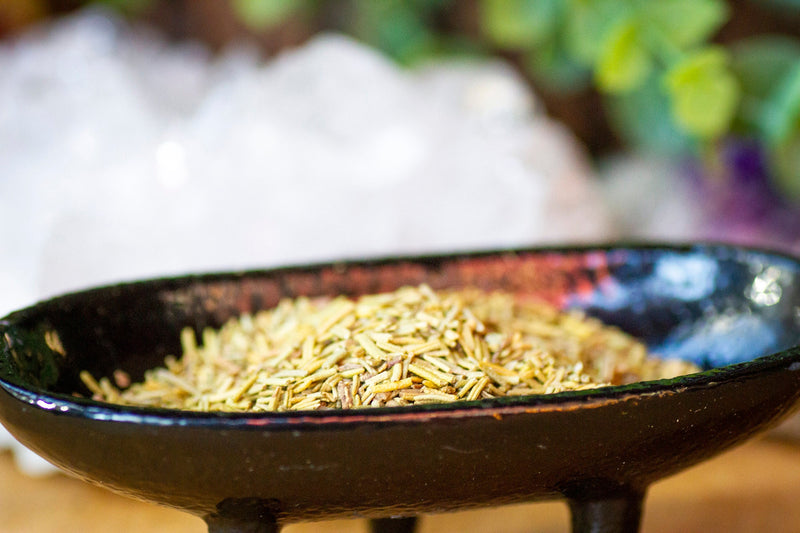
(400, 29)
(685, 23)
(554, 69)
(760, 63)
(455, 47)
(782, 111)
(519, 24)
(642, 119)
(624, 62)
(704, 93)
(130, 7)
(403, 35)
(589, 25)
(262, 14)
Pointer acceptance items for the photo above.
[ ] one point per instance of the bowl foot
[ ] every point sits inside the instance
(244, 515)
(393, 525)
(218, 524)
(617, 514)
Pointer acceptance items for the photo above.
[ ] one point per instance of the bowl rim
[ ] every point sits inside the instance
(67, 405)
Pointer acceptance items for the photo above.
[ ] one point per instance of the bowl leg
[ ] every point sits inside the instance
(620, 513)
(244, 515)
(393, 525)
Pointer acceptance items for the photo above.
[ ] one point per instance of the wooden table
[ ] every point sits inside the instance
(755, 487)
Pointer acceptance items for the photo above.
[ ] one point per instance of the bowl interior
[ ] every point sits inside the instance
(714, 305)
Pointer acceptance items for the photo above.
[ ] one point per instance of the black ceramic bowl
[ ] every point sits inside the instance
(734, 311)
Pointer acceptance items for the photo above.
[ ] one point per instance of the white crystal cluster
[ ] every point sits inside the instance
(123, 156)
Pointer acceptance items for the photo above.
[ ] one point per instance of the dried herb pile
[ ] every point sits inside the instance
(408, 347)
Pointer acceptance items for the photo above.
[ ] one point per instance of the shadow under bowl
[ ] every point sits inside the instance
(732, 310)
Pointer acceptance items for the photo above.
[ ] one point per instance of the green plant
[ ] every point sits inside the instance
(632, 50)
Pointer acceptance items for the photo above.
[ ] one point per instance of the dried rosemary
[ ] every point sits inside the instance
(408, 347)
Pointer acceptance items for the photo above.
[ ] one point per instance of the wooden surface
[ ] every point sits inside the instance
(755, 487)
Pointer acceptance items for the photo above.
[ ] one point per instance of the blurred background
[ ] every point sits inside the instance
(142, 138)
(150, 137)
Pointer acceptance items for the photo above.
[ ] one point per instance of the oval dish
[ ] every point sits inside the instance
(734, 311)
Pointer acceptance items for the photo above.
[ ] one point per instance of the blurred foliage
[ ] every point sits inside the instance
(769, 70)
(618, 46)
(703, 92)
(666, 86)
(128, 6)
(259, 14)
